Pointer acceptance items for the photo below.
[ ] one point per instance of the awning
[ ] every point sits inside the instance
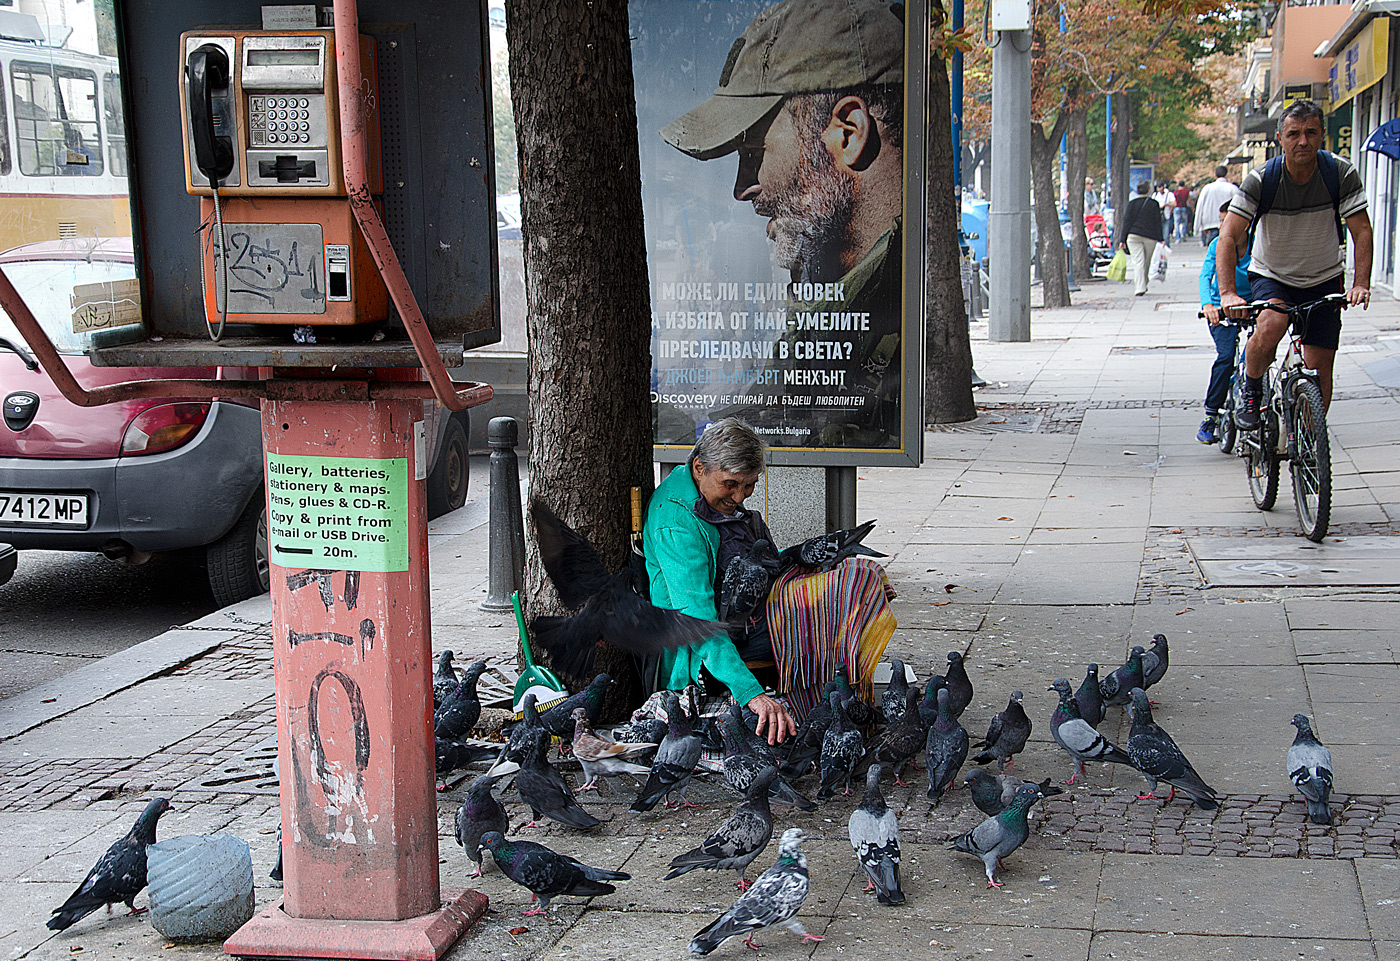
(1361, 14)
(1386, 140)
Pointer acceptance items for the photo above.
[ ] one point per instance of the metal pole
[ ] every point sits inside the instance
(1009, 219)
(1108, 149)
(506, 557)
(957, 89)
(840, 498)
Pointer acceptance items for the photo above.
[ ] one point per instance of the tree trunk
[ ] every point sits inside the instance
(1122, 141)
(1076, 169)
(586, 287)
(1054, 283)
(947, 352)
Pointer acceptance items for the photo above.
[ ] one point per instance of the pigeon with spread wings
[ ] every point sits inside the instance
(608, 605)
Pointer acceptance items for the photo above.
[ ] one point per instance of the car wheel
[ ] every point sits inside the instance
(238, 561)
(447, 484)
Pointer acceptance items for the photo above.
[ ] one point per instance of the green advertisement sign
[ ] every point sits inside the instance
(338, 513)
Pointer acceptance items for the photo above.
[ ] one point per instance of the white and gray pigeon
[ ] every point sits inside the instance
(842, 748)
(874, 833)
(892, 697)
(1157, 758)
(740, 839)
(600, 756)
(674, 764)
(1077, 738)
(119, 875)
(1310, 768)
(773, 899)
(747, 579)
(825, 551)
(998, 836)
(1154, 662)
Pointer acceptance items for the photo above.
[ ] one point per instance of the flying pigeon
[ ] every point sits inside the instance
(544, 790)
(874, 833)
(461, 709)
(892, 698)
(746, 756)
(119, 875)
(773, 899)
(600, 755)
(1117, 686)
(445, 680)
(609, 606)
(1090, 697)
(958, 683)
(825, 551)
(740, 839)
(1006, 735)
(1156, 756)
(747, 579)
(1076, 738)
(1310, 767)
(558, 720)
(479, 813)
(546, 873)
(993, 793)
(1154, 662)
(945, 749)
(998, 836)
(842, 748)
(674, 764)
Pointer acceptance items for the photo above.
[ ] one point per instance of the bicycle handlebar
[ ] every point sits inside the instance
(1255, 308)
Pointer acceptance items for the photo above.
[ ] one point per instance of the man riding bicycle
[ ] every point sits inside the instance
(1295, 205)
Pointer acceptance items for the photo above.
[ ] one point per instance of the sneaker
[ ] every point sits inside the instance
(1247, 413)
(1207, 435)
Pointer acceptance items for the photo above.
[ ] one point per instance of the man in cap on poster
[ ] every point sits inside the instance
(811, 98)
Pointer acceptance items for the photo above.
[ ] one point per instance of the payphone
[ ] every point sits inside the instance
(262, 152)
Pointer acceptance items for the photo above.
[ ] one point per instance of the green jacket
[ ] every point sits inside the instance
(682, 552)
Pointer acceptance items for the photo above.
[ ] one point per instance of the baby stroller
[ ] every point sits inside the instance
(1100, 243)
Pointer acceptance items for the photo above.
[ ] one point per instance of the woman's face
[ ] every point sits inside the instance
(723, 490)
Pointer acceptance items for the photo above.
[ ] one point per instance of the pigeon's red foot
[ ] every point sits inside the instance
(900, 783)
(689, 804)
(1147, 797)
(743, 884)
(476, 873)
(587, 787)
(135, 911)
(812, 937)
(532, 912)
(993, 883)
(752, 943)
(847, 792)
(869, 886)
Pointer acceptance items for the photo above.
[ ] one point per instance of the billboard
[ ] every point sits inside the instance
(783, 195)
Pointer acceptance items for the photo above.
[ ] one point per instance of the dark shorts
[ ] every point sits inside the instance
(1324, 324)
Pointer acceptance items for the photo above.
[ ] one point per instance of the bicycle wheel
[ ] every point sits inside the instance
(1228, 431)
(1261, 463)
(1311, 461)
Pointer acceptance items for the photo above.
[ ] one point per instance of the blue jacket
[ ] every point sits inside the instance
(1210, 284)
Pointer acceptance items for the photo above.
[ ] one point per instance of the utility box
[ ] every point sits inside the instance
(1011, 14)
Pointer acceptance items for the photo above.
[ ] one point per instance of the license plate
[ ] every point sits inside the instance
(33, 509)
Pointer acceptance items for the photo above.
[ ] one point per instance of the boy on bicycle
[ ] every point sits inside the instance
(1296, 207)
(1226, 336)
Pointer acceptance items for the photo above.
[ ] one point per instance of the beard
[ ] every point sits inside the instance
(810, 216)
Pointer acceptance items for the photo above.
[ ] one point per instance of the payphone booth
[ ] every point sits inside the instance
(313, 204)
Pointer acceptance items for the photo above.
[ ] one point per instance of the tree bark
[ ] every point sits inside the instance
(1076, 169)
(1054, 283)
(947, 350)
(1122, 141)
(587, 292)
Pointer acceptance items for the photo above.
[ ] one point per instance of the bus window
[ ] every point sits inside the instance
(115, 123)
(5, 165)
(56, 120)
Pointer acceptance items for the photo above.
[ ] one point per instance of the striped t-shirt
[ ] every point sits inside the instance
(1296, 241)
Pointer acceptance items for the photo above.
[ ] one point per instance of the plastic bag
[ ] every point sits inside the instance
(1118, 266)
(1160, 257)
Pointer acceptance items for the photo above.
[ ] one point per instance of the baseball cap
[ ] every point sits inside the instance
(797, 46)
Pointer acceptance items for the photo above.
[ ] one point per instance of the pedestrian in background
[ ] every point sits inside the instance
(1141, 232)
(1213, 194)
(1226, 336)
(1092, 204)
(1181, 211)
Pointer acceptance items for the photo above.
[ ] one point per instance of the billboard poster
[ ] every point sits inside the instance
(786, 287)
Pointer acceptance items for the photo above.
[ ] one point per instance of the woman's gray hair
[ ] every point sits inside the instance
(731, 445)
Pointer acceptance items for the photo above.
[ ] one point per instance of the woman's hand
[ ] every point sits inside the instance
(772, 718)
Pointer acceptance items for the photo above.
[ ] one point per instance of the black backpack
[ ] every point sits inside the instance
(1272, 175)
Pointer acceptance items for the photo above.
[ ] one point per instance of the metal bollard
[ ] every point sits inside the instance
(507, 539)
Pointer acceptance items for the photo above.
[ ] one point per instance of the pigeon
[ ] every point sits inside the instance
(609, 605)
(928, 707)
(276, 872)
(1310, 767)
(998, 836)
(773, 899)
(600, 756)
(647, 730)
(903, 739)
(874, 833)
(892, 698)
(452, 756)
(747, 579)
(825, 551)
(526, 736)
(1076, 738)
(479, 813)
(445, 680)
(746, 755)
(546, 873)
(1006, 735)
(958, 683)
(945, 749)
(862, 715)
(119, 875)
(461, 709)
(545, 791)
(1117, 686)
(1089, 697)
(1156, 756)
(804, 747)
(740, 839)
(842, 748)
(674, 764)
(558, 720)
(993, 793)
(1154, 662)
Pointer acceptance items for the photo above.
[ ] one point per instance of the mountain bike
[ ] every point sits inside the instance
(1292, 423)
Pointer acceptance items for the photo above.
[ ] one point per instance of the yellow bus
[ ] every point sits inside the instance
(63, 156)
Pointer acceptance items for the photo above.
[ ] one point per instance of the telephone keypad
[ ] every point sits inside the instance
(284, 120)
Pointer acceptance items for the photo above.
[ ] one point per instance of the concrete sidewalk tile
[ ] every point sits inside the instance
(182, 695)
(1343, 646)
(923, 556)
(1213, 634)
(921, 609)
(604, 934)
(29, 837)
(1002, 484)
(1360, 683)
(1318, 613)
(937, 531)
(25, 908)
(1068, 637)
(1380, 890)
(79, 735)
(1033, 581)
(1258, 701)
(1376, 722)
(1372, 768)
(1121, 945)
(896, 938)
(926, 651)
(1230, 896)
